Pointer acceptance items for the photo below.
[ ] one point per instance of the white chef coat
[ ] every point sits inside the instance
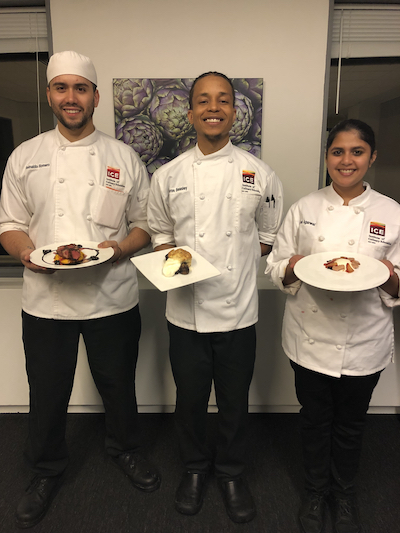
(338, 333)
(94, 189)
(222, 205)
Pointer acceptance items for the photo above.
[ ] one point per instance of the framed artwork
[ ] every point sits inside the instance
(151, 116)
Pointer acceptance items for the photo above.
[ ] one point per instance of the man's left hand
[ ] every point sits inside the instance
(115, 246)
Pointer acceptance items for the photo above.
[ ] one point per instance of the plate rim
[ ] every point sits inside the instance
(83, 243)
(335, 253)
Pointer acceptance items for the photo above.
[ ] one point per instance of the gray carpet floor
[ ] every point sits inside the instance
(96, 498)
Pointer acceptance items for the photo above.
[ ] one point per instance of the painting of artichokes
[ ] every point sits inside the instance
(151, 116)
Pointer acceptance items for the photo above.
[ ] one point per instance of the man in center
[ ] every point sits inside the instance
(215, 198)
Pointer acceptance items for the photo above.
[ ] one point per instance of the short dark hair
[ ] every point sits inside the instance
(365, 132)
(204, 76)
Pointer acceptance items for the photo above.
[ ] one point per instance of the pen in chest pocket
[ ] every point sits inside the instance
(269, 202)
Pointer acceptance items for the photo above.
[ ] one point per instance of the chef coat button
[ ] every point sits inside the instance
(91, 182)
(343, 315)
(201, 302)
(331, 208)
(202, 196)
(198, 162)
(229, 195)
(63, 148)
(89, 217)
(228, 233)
(229, 267)
(357, 210)
(338, 346)
(60, 214)
(351, 242)
(311, 341)
(321, 238)
(91, 151)
(61, 180)
(230, 160)
(315, 309)
(228, 301)
(201, 234)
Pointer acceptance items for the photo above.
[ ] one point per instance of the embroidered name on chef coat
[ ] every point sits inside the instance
(34, 167)
(112, 180)
(178, 189)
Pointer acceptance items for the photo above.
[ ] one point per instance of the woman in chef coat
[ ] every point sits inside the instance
(338, 342)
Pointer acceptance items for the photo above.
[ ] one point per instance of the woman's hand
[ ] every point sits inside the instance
(290, 276)
(391, 286)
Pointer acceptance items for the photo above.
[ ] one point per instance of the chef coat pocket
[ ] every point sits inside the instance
(109, 207)
(247, 207)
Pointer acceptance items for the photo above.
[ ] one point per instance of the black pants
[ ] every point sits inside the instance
(197, 359)
(333, 416)
(51, 348)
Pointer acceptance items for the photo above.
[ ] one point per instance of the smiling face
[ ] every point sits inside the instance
(212, 113)
(347, 160)
(73, 100)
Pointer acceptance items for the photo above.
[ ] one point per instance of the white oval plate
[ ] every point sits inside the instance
(44, 256)
(370, 274)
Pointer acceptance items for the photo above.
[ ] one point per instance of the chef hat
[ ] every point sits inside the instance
(71, 63)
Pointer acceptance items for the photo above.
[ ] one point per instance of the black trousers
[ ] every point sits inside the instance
(51, 348)
(333, 416)
(196, 360)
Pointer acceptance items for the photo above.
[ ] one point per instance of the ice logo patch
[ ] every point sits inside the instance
(376, 228)
(113, 173)
(248, 176)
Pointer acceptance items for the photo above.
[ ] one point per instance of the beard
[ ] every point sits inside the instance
(71, 124)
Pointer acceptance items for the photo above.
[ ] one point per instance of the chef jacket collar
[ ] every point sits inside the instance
(225, 151)
(335, 198)
(86, 141)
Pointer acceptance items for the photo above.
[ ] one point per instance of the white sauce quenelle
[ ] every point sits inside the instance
(171, 267)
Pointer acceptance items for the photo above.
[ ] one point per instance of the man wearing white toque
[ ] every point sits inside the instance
(70, 185)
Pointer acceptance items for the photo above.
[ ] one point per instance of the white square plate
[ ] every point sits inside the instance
(151, 265)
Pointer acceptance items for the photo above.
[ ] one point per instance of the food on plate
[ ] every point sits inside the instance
(342, 264)
(178, 261)
(69, 254)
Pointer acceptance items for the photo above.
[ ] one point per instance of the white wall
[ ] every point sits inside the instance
(283, 41)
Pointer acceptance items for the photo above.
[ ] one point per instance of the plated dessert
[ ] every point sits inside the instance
(342, 264)
(177, 261)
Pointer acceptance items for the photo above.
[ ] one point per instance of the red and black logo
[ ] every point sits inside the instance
(376, 228)
(248, 176)
(113, 173)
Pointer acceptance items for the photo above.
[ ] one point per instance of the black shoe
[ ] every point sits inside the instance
(238, 500)
(140, 472)
(190, 493)
(345, 515)
(312, 511)
(37, 498)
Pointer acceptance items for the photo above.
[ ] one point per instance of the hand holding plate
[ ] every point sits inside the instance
(26, 261)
